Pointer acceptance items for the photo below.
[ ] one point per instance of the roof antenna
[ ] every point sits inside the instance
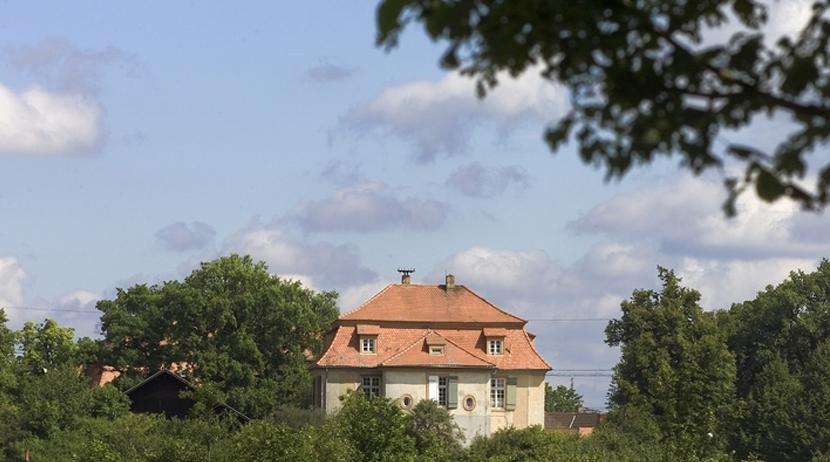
(405, 278)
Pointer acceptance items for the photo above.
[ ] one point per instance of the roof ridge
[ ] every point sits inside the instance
(492, 304)
(405, 349)
(354, 310)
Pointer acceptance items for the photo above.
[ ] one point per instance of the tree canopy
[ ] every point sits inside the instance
(674, 365)
(649, 79)
(230, 324)
(561, 399)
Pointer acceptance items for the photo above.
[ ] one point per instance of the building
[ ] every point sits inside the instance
(443, 342)
(580, 423)
(161, 393)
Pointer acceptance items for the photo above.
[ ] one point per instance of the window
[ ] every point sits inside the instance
(406, 402)
(494, 346)
(497, 393)
(371, 386)
(442, 391)
(469, 402)
(367, 345)
(436, 350)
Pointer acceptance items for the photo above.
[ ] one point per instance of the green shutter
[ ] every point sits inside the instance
(510, 394)
(452, 392)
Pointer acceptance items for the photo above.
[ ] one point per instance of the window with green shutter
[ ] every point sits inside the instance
(510, 399)
(452, 392)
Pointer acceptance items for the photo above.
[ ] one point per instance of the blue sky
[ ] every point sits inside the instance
(139, 139)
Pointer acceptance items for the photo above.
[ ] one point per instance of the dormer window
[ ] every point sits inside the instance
(368, 338)
(495, 340)
(436, 350)
(368, 345)
(494, 346)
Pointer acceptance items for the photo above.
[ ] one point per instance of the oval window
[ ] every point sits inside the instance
(469, 403)
(406, 401)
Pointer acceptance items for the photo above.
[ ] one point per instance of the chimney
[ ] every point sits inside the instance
(405, 275)
(449, 281)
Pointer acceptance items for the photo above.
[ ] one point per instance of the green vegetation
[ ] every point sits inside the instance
(561, 399)
(644, 83)
(751, 383)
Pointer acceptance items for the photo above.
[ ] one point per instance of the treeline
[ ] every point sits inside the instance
(748, 383)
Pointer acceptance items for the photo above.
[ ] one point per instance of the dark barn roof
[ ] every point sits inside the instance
(572, 420)
(160, 394)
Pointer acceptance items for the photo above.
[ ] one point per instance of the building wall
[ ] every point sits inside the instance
(530, 395)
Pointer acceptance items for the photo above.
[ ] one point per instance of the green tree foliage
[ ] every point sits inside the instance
(561, 399)
(230, 323)
(46, 345)
(644, 84)
(436, 435)
(376, 429)
(780, 340)
(674, 365)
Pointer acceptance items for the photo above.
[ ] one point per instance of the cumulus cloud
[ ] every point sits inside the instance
(180, 236)
(439, 117)
(476, 180)
(319, 264)
(368, 207)
(683, 217)
(329, 73)
(39, 122)
(11, 282)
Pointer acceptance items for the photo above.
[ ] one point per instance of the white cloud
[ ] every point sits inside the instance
(322, 264)
(11, 282)
(368, 207)
(683, 216)
(440, 117)
(180, 236)
(39, 122)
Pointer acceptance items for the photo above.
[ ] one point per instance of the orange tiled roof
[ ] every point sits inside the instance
(343, 350)
(410, 317)
(425, 303)
(418, 354)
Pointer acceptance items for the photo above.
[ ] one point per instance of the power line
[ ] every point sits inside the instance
(62, 310)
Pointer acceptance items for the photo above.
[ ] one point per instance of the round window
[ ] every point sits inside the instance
(469, 402)
(406, 401)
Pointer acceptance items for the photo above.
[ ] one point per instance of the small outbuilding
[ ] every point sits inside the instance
(161, 394)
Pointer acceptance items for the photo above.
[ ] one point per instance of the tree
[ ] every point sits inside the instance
(674, 365)
(561, 399)
(781, 342)
(46, 345)
(437, 437)
(375, 428)
(643, 83)
(230, 325)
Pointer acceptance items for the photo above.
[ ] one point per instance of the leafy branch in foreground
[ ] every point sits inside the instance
(643, 83)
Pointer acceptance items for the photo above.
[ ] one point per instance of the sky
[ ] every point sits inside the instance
(137, 140)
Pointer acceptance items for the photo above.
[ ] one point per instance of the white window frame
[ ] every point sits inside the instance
(498, 392)
(368, 345)
(370, 384)
(436, 350)
(495, 346)
(443, 390)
